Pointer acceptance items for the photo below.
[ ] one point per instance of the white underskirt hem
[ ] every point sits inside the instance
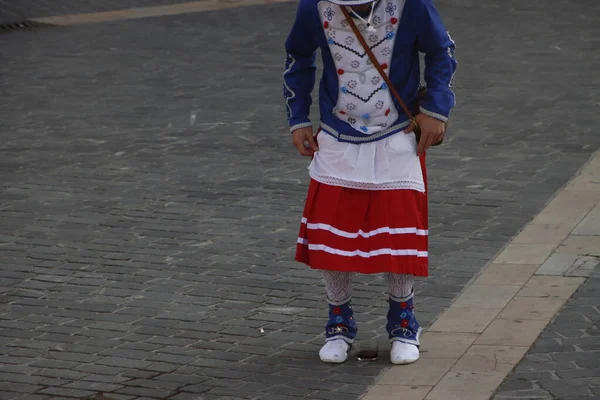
(394, 185)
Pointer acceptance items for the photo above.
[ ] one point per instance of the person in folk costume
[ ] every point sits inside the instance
(366, 208)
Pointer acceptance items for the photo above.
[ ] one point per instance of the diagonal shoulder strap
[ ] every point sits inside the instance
(364, 44)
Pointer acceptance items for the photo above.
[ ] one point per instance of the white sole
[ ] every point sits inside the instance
(404, 362)
(327, 361)
(343, 356)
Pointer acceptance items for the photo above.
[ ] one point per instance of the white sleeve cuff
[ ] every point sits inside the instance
(434, 115)
(302, 125)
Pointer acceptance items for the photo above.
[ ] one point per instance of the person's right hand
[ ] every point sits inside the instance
(302, 136)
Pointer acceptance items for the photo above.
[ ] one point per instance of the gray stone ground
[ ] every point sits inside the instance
(564, 362)
(48, 8)
(150, 198)
(9, 17)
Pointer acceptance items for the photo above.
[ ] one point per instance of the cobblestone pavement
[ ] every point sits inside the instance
(150, 198)
(37, 8)
(564, 363)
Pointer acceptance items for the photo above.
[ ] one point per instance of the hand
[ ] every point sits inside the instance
(302, 135)
(432, 131)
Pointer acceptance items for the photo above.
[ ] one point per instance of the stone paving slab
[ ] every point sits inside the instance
(149, 203)
(564, 363)
(468, 354)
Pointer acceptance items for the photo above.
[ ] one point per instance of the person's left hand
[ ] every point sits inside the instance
(432, 131)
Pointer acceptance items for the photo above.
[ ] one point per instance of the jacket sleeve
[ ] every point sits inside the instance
(440, 64)
(300, 68)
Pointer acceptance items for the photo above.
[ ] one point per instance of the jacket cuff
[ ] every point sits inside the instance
(434, 114)
(301, 125)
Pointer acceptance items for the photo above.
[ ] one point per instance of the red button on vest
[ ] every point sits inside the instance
(394, 21)
(341, 71)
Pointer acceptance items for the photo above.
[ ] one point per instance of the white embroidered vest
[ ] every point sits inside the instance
(364, 100)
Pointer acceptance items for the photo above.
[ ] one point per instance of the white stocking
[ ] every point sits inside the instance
(338, 285)
(399, 285)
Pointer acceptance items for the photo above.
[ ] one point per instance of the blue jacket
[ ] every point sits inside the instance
(418, 29)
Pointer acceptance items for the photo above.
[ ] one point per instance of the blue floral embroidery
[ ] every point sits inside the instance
(390, 36)
(384, 86)
(366, 116)
(364, 129)
(339, 320)
(403, 315)
(330, 41)
(329, 13)
(344, 89)
(390, 9)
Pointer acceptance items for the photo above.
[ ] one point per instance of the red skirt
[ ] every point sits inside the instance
(364, 231)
